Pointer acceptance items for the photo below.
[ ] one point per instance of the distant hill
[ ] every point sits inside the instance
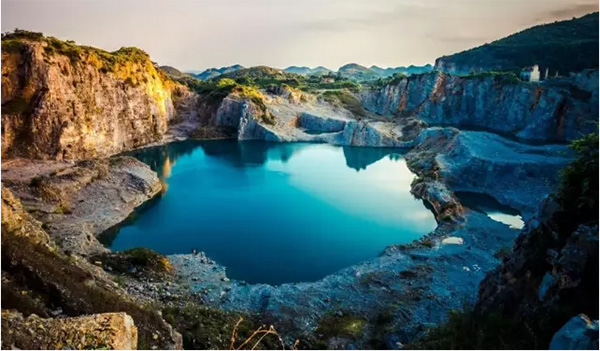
(565, 46)
(357, 72)
(307, 71)
(390, 71)
(256, 72)
(215, 72)
(351, 71)
(173, 72)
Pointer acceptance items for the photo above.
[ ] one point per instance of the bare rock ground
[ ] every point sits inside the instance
(76, 202)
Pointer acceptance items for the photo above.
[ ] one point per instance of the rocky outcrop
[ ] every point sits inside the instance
(67, 102)
(443, 201)
(517, 175)
(229, 112)
(580, 333)
(112, 331)
(252, 124)
(77, 202)
(495, 102)
(37, 277)
(552, 263)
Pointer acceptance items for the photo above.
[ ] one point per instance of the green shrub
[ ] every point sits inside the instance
(22, 34)
(578, 190)
(344, 325)
(345, 99)
(12, 45)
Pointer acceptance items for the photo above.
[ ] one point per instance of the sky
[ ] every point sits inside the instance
(198, 34)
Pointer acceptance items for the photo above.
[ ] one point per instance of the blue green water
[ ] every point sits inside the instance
(273, 212)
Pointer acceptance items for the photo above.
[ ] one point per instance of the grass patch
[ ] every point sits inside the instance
(578, 190)
(346, 325)
(142, 259)
(205, 328)
(63, 207)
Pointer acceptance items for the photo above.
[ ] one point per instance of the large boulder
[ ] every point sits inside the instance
(113, 331)
(580, 333)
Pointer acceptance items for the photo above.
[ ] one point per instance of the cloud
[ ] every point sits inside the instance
(567, 12)
(366, 18)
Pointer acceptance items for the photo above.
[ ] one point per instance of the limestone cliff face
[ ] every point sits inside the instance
(63, 101)
(553, 111)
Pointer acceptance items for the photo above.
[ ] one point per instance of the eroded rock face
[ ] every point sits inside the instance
(494, 102)
(443, 201)
(251, 127)
(113, 331)
(70, 108)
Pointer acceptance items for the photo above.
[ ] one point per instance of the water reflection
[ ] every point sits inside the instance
(251, 153)
(359, 158)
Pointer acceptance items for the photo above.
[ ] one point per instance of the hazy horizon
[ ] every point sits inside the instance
(194, 35)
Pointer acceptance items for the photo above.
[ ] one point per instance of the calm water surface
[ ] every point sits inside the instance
(277, 212)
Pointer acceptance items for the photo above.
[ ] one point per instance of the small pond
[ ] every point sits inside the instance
(276, 212)
(495, 210)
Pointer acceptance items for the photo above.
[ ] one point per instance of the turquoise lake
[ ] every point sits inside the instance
(276, 212)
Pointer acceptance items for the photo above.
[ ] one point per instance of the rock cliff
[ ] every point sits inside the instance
(495, 102)
(67, 102)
